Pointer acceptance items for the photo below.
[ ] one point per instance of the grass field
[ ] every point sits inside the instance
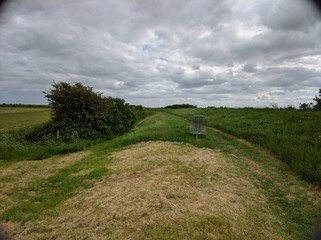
(17, 117)
(159, 182)
(292, 135)
(15, 122)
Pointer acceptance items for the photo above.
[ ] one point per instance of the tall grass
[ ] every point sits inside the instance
(13, 147)
(292, 135)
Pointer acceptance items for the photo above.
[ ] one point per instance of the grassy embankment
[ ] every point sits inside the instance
(16, 122)
(228, 190)
(292, 135)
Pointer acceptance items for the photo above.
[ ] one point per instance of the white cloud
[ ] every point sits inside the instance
(155, 53)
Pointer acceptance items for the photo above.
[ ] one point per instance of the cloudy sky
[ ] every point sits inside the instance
(232, 53)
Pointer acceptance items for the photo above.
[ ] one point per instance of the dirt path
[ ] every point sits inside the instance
(165, 190)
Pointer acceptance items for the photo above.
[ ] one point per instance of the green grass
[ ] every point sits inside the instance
(16, 122)
(14, 148)
(17, 117)
(168, 127)
(296, 215)
(294, 136)
(57, 188)
(50, 192)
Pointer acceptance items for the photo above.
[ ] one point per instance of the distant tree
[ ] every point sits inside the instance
(316, 106)
(305, 106)
(290, 107)
(176, 106)
(317, 99)
(274, 105)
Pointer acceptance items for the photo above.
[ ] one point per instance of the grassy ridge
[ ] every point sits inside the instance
(61, 186)
(293, 135)
(282, 195)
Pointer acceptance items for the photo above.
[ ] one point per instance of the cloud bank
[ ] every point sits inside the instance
(155, 53)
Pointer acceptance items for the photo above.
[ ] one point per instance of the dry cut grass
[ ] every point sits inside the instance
(165, 190)
(21, 174)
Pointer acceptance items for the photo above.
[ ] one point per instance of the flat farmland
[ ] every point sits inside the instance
(15, 117)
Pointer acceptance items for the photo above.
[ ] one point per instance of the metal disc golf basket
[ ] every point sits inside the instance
(198, 125)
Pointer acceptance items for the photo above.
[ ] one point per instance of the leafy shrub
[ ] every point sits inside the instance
(80, 113)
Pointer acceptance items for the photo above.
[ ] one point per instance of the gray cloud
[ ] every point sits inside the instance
(288, 16)
(196, 67)
(157, 53)
(248, 67)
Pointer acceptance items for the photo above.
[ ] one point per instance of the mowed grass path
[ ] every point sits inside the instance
(158, 182)
(16, 117)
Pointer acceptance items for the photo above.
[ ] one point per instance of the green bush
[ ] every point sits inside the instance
(80, 113)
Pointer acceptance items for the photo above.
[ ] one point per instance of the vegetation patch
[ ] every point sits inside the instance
(17, 117)
(158, 182)
(168, 190)
(79, 118)
(178, 106)
(294, 136)
(35, 194)
(80, 113)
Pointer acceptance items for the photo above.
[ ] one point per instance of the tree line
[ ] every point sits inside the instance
(24, 105)
(315, 106)
(177, 106)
